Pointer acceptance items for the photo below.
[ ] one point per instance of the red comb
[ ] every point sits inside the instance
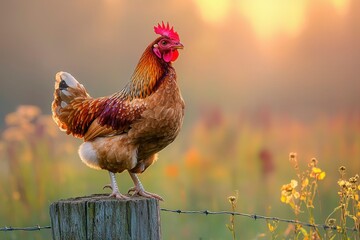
(167, 31)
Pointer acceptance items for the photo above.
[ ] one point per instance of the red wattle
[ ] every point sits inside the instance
(170, 56)
(175, 55)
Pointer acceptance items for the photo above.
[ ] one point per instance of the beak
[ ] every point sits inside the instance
(178, 45)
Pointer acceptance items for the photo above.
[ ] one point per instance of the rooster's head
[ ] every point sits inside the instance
(166, 47)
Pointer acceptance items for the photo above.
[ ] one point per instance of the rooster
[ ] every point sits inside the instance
(126, 130)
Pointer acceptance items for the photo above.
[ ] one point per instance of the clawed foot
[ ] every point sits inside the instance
(116, 194)
(137, 190)
(141, 192)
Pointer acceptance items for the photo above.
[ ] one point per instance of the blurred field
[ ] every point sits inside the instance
(212, 158)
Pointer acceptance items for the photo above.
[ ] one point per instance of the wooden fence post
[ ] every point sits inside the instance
(100, 217)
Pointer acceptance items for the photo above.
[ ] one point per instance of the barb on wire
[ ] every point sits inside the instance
(255, 217)
(34, 228)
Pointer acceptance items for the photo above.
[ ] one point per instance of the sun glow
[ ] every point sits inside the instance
(268, 18)
(341, 6)
(213, 10)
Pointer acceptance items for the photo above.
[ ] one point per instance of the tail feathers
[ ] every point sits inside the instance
(68, 92)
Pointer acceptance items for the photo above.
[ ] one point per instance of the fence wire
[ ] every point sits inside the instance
(256, 216)
(207, 212)
(34, 228)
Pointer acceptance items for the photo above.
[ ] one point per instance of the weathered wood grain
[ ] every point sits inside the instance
(100, 217)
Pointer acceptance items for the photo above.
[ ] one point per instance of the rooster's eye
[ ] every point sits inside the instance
(164, 42)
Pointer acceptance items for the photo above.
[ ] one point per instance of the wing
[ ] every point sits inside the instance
(97, 117)
(116, 116)
(78, 114)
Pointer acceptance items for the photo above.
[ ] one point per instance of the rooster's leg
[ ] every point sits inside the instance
(115, 190)
(139, 189)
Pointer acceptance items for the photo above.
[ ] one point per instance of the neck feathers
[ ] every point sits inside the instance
(148, 74)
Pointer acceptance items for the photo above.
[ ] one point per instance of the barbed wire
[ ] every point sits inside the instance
(207, 212)
(34, 228)
(256, 216)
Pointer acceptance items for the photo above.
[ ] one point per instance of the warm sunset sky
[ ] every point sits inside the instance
(268, 19)
(298, 58)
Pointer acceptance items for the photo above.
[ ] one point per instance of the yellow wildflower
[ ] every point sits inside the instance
(271, 227)
(283, 198)
(296, 194)
(293, 183)
(321, 176)
(288, 192)
(317, 173)
(342, 183)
